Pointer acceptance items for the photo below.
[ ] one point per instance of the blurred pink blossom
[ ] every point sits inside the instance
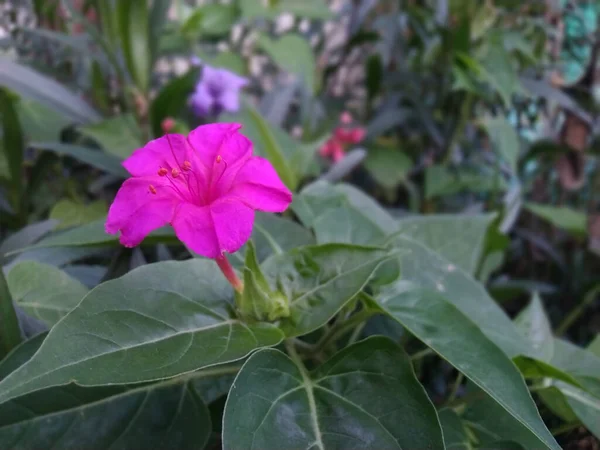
(343, 136)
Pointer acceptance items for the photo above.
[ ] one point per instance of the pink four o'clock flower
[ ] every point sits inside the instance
(206, 185)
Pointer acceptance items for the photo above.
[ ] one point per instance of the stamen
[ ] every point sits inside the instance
(219, 159)
(152, 189)
(162, 172)
(174, 172)
(187, 165)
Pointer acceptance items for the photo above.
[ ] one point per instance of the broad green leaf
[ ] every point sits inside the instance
(491, 423)
(13, 144)
(320, 280)
(168, 415)
(293, 54)
(557, 403)
(34, 86)
(71, 214)
(441, 326)
(575, 360)
(561, 216)
(44, 291)
(92, 235)
(455, 434)
(134, 29)
(158, 321)
(118, 136)
(40, 123)
(230, 61)
(211, 20)
(429, 270)
(535, 326)
(442, 181)
(536, 369)
(497, 68)
(21, 354)
(585, 406)
(172, 99)
(95, 158)
(311, 9)
(594, 346)
(458, 238)
(355, 400)
(388, 166)
(324, 207)
(10, 333)
(504, 139)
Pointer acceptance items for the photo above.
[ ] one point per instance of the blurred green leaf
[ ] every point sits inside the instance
(333, 407)
(119, 135)
(34, 86)
(230, 61)
(43, 291)
(134, 29)
(561, 217)
(455, 433)
(211, 20)
(40, 123)
(388, 166)
(504, 139)
(535, 326)
(293, 54)
(93, 157)
(178, 321)
(70, 213)
(499, 70)
(26, 236)
(311, 9)
(442, 181)
(10, 333)
(13, 144)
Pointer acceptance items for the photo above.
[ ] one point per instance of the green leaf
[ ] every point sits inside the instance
(334, 407)
(535, 326)
(230, 61)
(44, 291)
(272, 149)
(455, 433)
(94, 158)
(497, 68)
(585, 406)
(388, 166)
(442, 327)
(561, 217)
(168, 415)
(21, 354)
(26, 236)
(94, 235)
(578, 361)
(491, 423)
(40, 123)
(10, 333)
(457, 237)
(70, 213)
(32, 85)
(504, 139)
(211, 20)
(13, 143)
(311, 9)
(320, 280)
(172, 99)
(441, 181)
(423, 267)
(118, 136)
(594, 346)
(293, 54)
(133, 20)
(156, 322)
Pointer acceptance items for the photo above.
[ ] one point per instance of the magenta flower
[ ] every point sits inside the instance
(218, 90)
(207, 186)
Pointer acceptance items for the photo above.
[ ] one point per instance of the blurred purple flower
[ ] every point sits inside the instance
(218, 90)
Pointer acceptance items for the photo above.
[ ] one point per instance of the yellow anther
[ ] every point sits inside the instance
(187, 165)
(162, 172)
(174, 172)
(152, 189)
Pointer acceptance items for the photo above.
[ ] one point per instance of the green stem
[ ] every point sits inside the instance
(455, 387)
(421, 354)
(588, 299)
(337, 331)
(465, 113)
(564, 428)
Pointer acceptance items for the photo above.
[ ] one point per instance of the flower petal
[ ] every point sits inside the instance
(230, 100)
(220, 139)
(167, 151)
(141, 205)
(201, 100)
(223, 226)
(258, 185)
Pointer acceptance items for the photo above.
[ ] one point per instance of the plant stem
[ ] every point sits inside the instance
(588, 299)
(421, 354)
(229, 273)
(337, 331)
(564, 428)
(10, 333)
(455, 387)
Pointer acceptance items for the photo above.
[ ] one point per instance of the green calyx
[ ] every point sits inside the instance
(258, 301)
